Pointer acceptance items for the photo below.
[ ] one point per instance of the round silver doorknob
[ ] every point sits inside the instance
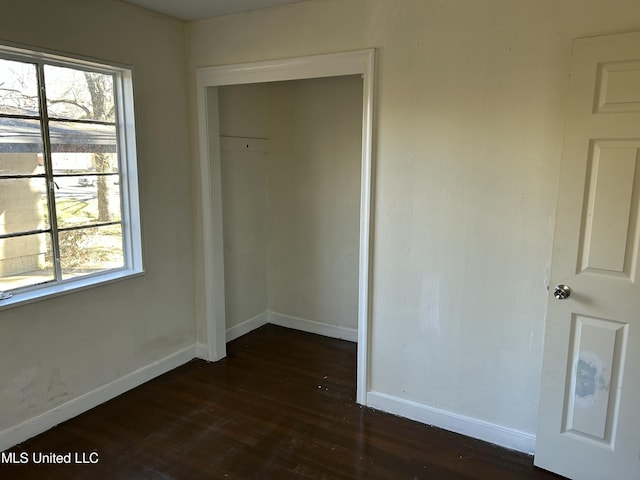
(562, 291)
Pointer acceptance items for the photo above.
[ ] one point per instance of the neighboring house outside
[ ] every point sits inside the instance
(23, 200)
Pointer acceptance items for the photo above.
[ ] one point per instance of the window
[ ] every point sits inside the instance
(69, 213)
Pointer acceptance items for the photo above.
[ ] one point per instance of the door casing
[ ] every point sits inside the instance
(208, 79)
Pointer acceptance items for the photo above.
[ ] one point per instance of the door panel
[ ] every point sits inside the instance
(589, 420)
(591, 399)
(608, 243)
(618, 86)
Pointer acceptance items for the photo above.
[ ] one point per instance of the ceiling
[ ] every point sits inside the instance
(199, 9)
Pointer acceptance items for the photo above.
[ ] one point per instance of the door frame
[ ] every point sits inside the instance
(208, 79)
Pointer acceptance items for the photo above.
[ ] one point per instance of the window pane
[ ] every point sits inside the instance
(87, 199)
(91, 250)
(18, 88)
(23, 205)
(81, 163)
(20, 147)
(78, 94)
(25, 261)
(68, 137)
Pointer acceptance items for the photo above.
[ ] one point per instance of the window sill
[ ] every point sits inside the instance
(64, 288)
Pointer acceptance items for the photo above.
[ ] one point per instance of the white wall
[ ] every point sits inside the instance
(469, 121)
(243, 121)
(291, 217)
(315, 131)
(243, 110)
(54, 351)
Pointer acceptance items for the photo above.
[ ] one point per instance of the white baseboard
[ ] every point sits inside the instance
(247, 326)
(333, 331)
(505, 437)
(72, 408)
(471, 427)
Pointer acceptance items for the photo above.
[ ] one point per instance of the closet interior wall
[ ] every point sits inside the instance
(291, 158)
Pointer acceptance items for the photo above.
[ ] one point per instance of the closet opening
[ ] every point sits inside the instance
(285, 166)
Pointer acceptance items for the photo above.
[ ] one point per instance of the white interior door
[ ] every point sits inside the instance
(589, 418)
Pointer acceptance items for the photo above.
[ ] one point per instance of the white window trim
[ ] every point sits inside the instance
(129, 188)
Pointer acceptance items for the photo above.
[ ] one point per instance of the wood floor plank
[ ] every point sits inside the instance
(280, 406)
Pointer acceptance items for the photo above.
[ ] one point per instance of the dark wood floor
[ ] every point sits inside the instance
(280, 406)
